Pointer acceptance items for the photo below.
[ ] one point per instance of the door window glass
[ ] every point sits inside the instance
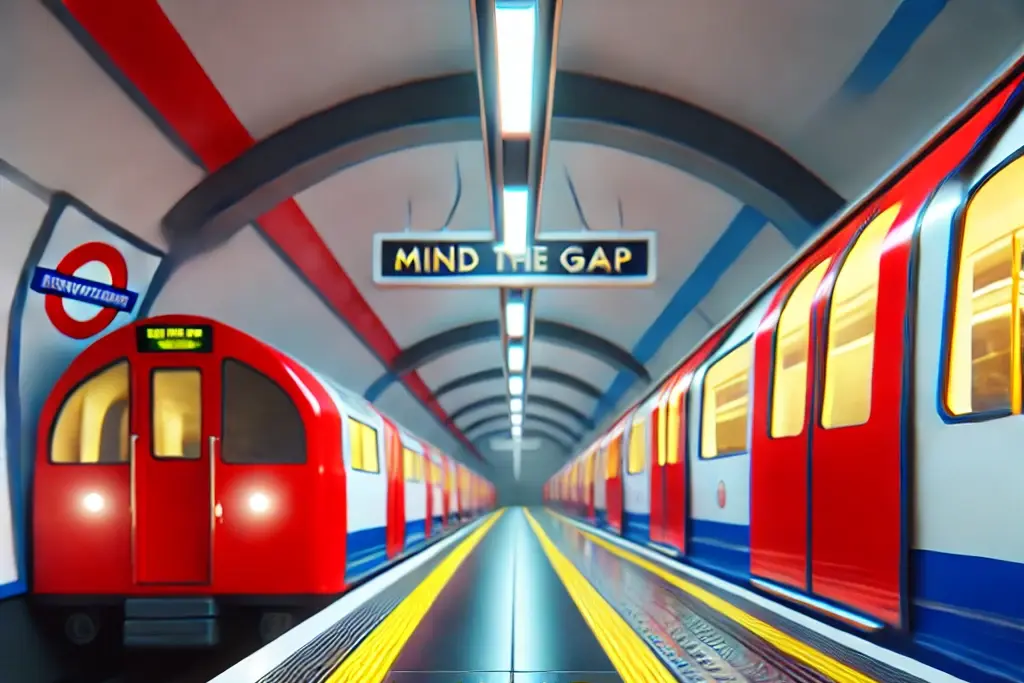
(262, 425)
(92, 426)
(410, 465)
(792, 337)
(850, 350)
(177, 413)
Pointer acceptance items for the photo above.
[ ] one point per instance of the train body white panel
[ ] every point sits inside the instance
(366, 492)
(964, 476)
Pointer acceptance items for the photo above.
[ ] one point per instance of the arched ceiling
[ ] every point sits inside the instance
(263, 144)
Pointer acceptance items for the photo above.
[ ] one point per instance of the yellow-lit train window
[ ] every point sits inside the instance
(362, 439)
(637, 447)
(92, 427)
(673, 439)
(177, 410)
(726, 404)
(588, 478)
(850, 352)
(789, 388)
(410, 464)
(985, 337)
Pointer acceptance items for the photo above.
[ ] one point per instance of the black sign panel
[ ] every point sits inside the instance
(174, 338)
(554, 259)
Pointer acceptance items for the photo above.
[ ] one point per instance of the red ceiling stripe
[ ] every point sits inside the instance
(143, 44)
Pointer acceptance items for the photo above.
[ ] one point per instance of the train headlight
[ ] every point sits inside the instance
(93, 503)
(259, 503)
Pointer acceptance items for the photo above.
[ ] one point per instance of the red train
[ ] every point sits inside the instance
(184, 468)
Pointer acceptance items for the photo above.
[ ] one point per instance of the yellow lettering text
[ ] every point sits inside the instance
(467, 265)
(572, 259)
(599, 260)
(404, 260)
(540, 259)
(623, 255)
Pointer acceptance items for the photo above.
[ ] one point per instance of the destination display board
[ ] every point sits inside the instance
(174, 338)
(464, 259)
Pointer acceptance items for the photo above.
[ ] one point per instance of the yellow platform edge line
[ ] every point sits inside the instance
(797, 649)
(629, 653)
(373, 658)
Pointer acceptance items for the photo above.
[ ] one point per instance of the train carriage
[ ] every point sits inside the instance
(194, 463)
(845, 441)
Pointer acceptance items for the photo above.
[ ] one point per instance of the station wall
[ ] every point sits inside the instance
(57, 235)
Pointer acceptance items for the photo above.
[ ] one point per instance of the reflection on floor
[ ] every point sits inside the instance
(530, 597)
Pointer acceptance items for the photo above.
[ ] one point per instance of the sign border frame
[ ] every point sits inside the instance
(521, 281)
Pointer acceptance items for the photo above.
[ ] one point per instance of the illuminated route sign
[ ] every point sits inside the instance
(474, 259)
(174, 338)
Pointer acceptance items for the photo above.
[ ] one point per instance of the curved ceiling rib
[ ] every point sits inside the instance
(535, 433)
(586, 108)
(529, 419)
(537, 373)
(543, 401)
(455, 338)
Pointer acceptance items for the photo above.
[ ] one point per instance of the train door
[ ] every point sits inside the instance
(857, 549)
(446, 495)
(588, 484)
(783, 350)
(613, 478)
(415, 494)
(656, 442)
(394, 536)
(436, 490)
(176, 423)
(675, 484)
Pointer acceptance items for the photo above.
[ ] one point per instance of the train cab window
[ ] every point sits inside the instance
(673, 430)
(726, 404)
(637, 447)
(412, 465)
(789, 380)
(92, 426)
(262, 425)
(177, 417)
(984, 346)
(850, 351)
(362, 441)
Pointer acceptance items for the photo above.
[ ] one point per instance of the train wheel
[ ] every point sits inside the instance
(275, 624)
(82, 628)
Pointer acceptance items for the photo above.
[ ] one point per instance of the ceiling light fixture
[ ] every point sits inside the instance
(516, 205)
(516, 405)
(517, 419)
(516, 24)
(515, 319)
(515, 385)
(516, 357)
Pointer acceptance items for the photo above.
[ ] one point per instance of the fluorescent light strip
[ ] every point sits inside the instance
(517, 432)
(515, 385)
(515, 405)
(516, 357)
(516, 24)
(517, 419)
(515, 319)
(516, 203)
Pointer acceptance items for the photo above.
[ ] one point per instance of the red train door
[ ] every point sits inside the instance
(175, 427)
(394, 538)
(857, 542)
(613, 480)
(658, 478)
(783, 352)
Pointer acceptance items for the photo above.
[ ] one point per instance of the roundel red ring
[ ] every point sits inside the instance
(75, 259)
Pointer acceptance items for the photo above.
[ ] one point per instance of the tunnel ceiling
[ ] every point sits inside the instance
(265, 143)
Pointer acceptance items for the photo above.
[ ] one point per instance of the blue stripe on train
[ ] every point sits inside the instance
(717, 546)
(366, 551)
(970, 605)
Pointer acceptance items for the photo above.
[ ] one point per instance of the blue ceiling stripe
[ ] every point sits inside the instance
(379, 386)
(747, 223)
(907, 24)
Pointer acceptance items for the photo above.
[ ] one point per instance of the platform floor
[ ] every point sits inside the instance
(530, 597)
